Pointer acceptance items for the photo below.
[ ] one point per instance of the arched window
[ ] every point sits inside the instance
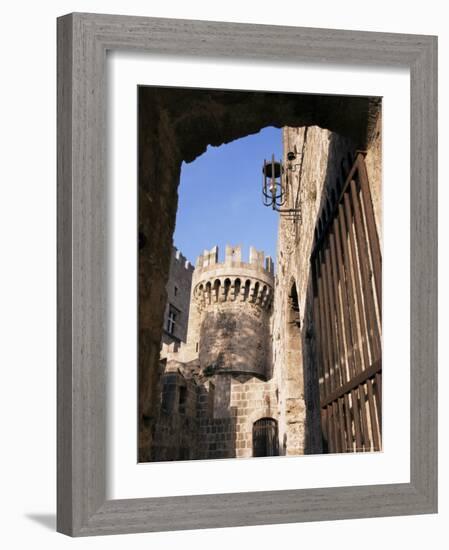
(265, 437)
(217, 285)
(293, 309)
(263, 294)
(200, 294)
(293, 337)
(247, 287)
(255, 295)
(227, 287)
(237, 284)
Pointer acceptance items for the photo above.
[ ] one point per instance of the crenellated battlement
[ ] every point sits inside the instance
(233, 280)
(178, 352)
(233, 258)
(181, 260)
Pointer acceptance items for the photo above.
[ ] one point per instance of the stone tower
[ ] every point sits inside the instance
(218, 388)
(230, 313)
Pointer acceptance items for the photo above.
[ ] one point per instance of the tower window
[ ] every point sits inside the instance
(175, 290)
(172, 319)
(293, 313)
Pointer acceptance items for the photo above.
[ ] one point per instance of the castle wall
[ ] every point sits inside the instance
(227, 354)
(177, 427)
(227, 417)
(217, 421)
(317, 165)
(373, 163)
(322, 160)
(178, 296)
(252, 400)
(235, 337)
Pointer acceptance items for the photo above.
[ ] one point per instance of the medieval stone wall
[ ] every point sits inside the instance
(373, 163)
(177, 427)
(215, 419)
(237, 404)
(178, 290)
(315, 150)
(321, 164)
(227, 355)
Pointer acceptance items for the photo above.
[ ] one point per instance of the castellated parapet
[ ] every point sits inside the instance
(178, 257)
(230, 312)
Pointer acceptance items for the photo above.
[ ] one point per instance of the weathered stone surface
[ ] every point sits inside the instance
(373, 163)
(177, 125)
(178, 290)
(322, 161)
(318, 165)
(227, 355)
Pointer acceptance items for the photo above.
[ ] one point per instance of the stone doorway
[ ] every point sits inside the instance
(265, 437)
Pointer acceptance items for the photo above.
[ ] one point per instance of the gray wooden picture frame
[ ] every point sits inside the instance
(83, 40)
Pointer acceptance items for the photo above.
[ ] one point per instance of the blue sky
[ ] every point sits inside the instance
(220, 198)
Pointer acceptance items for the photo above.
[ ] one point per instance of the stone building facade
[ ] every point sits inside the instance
(247, 378)
(219, 384)
(312, 173)
(318, 165)
(176, 315)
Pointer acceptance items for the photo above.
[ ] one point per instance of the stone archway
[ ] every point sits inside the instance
(177, 125)
(265, 437)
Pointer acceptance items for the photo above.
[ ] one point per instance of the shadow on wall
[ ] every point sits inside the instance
(186, 428)
(236, 342)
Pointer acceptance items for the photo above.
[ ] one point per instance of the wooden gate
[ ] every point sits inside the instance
(346, 270)
(265, 437)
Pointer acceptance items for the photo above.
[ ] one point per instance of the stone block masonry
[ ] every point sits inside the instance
(244, 380)
(231, 311)
(171, 132)
(176, 315)
(227, 356)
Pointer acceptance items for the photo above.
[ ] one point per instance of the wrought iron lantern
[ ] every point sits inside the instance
(274, 187)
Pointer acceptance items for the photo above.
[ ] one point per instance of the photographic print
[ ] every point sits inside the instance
(260, 272)
(243, 376)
